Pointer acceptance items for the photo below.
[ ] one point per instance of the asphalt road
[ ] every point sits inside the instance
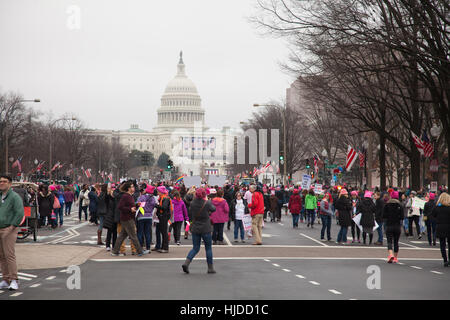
(292, 264)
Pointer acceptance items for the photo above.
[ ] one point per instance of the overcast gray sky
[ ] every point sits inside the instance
(113, 70)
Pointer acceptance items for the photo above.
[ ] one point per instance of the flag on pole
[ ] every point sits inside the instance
(180, 178)
(316, 167)
(88, 173)
(55, 166)
(18, 164)
(418, 143)
(427, 146)
(351, 157)
(39, 167)
(362, 159)
(110, 177)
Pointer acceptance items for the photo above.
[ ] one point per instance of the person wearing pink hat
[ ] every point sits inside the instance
(367, 209)
(430, 222)
(355, 202)
(145, 219)
(295, 206)
(344, 207)
(164, 213)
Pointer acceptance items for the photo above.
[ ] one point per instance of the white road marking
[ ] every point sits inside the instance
(287, 270)
(64, 271)
(50, 278)
(35, 285)
(276, 265)
(300, 276)
(266, 260)
(1, 291)
(319, 242)
(280, 224)
(437, 272)
(24, 278)
(352, 299)
(401, 263)
(416, 267)
(16, 294)
(253, 258)
(314, 283)
(27, 275)
(227, 240)
(334, 291)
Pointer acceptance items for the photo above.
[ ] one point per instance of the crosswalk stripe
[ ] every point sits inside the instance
(437, 272)
(287, 270)
(27, 275)
(314, 283)
(50, 278)
(276, 265)
(334, 291)
(35, 285)
(300, 276)
(24, 278)
(16, 294)
(416, 267)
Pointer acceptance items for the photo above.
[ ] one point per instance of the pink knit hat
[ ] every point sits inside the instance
(432, 196)
(200, 193)
(150, 189)
(368, 194)
(162, 189)
(394, 194)
(52, 188)
(354, 193)
(343, 191)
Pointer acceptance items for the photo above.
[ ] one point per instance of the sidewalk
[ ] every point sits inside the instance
(52, 256)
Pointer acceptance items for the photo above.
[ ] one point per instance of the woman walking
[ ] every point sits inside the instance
(187, 201)
(145, 218)
(325, 215)
(219, 217)
(93, 202)
(344, 207)
(355, 203)
(311, 206)
(429, 219)
(83, 202)
(102, 210)
(368, 210)
(109, 223)
(295, 206)
(200, 211)
(393, 214)
(238, 208)
(68, 199)
(273, 205)
(441, 213)
(180, 215)
(164, 213)
(45, 202)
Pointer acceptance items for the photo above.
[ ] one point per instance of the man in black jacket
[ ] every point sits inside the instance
(429, 219)
(228, 196)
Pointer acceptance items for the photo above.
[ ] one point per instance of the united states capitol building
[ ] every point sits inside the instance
(181, 131)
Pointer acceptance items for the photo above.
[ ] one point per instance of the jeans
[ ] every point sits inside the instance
(218, 232)
(128, 229)
(59, 213)
(380, 232)
(68, 207)
(295, 217)
(431, 230)
(239, 225)
(196, 241)
(112, 233)
(326, 224)
(158, 236)
(303, 214)
(100, 225)
(83, 209)
(442, 245)
(342, 235)
(414, 219)
(144, 228)
(311, 215)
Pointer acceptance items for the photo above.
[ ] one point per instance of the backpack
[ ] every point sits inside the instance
(56, 204)
(61, 199)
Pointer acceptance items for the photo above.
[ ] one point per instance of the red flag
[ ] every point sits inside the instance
(18, 164)
(88, 173)
(362, 160)
(418, 143)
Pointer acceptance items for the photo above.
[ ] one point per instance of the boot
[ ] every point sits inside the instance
(211, 268)
(185, 266)
(99, 237)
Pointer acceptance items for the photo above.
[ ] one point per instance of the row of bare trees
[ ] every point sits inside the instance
(368, 66)
(38, 138)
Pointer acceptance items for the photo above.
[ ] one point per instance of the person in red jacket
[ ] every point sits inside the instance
(295, 206)
(257, 213)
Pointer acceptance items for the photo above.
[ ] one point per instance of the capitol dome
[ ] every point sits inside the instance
(180, 103)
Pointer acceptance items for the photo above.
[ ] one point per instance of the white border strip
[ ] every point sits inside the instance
(317, 241)
(257, 258)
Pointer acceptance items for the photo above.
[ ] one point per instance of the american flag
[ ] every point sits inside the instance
(427, 146)
(18, 164)
(56, 166)
(362, 159)
(316, 167)
(88, 173)
(351, 157)
(417, 142)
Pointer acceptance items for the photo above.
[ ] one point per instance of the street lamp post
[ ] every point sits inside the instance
(284, 138)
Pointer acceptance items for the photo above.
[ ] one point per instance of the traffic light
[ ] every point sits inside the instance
(307, 164)
(145, 160)
(169, 164)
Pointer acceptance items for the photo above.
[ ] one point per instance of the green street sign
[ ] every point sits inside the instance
(331, 166)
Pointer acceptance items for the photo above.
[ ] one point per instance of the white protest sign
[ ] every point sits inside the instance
(190, 181)
(433, 186)
(216, 180)
(418, 203)
(306, 182)
(357, 220)
(318, 188)
(247, 221)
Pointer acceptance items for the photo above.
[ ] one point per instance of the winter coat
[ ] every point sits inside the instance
(280, 196)
(344, 207)
(367, 209)
(441, 214)
(11, 210)
(117, 196)
(187, 201)
(428, 209)
(379, 204)
(222, 210)
(150, 204)
(273, 203)
(201, 222)
(257, 205)
(325, 208)
(84, 198)
(266, 197)
(45, 203)
(93, 201)
(179, 210)
(295, 204)
(68, 196)
(233, 208)
(310, 202)
(393, 213)
(108, 223)
(101, 205)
